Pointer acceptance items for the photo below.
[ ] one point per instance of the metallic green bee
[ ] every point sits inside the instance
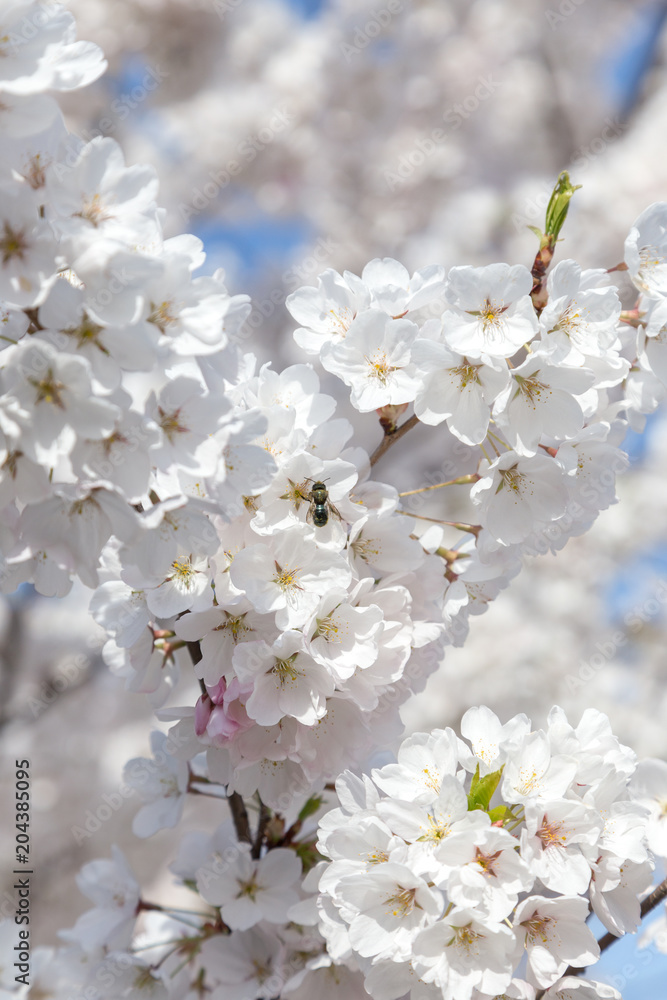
(320, 506)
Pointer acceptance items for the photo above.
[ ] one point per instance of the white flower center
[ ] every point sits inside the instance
(379, 368)
(403, 902)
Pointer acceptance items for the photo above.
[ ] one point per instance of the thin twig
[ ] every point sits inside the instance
(472, 477)
(390, 437)
(473, 529)
(264, 817)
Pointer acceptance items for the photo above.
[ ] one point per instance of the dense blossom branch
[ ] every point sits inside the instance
(219, 508)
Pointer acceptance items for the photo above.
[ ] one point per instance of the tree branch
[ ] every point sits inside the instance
(240, 817)
(390, 437)
(264, 817)
(236, 803)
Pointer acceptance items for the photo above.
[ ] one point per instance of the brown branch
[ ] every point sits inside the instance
(657, 896)
(194, 649)
(236, 803)
(240, 817)
(262, 823)
(390, 437)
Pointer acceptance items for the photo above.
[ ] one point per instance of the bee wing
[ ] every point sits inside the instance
(334, 510)
(309, 515)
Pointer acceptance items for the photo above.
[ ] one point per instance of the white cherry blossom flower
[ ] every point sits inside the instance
(517, 494)
(122, 458)
(384, 545)
(390, 905)
(646, 250)
(326, 312)
(534, 772)
(220, 631)
(285, 679)
(38, 50)
(250, 891)
(574, 988)
(54, 391)
(539, 401)
(186, 587)
(113, 889)
(168, 528)
(342, 636)
(616, 891)
(581, 313)
(244, 965)
(74, 529)
(27, 247)
(372, 360)
(558, 841)
(187, 419)
(424, 760)
(99, 198)
(491, 742)
(120, 610)
(427, 826)
(648, 786)
(481, 869)
(161, 782)
(296, 388)
(592, 460)
(395, 292)
(555, 935)
(70, 324)
(490, 312)
(456, 390)
(463, 952)
(287, 576)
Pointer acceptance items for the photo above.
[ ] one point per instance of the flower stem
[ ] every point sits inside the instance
(473, 529)
(461, 481)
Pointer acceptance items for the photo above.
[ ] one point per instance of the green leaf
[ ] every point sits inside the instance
(482, 789)
(308, 854)
(500, 813)
(311, 807)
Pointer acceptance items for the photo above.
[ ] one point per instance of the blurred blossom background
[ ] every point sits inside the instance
(296, 135)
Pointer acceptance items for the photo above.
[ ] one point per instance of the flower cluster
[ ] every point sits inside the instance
(468, 857)
(224, 519)
(144, 453)
(465, 870)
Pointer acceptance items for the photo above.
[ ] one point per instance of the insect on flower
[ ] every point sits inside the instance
(320, 506)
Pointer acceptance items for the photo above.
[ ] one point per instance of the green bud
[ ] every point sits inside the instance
(558, 205)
